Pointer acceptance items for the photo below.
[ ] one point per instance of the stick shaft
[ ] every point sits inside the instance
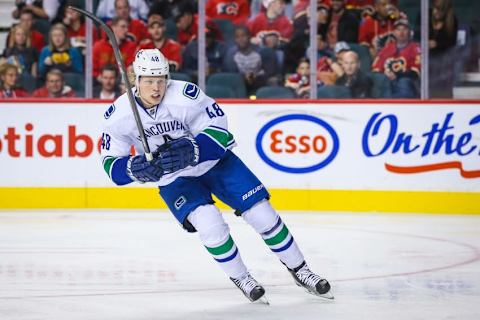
(123, 71)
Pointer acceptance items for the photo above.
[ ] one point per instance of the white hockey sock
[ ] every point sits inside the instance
(215, 236)
(265, 220)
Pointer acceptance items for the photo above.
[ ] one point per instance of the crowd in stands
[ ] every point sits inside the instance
(264, 42)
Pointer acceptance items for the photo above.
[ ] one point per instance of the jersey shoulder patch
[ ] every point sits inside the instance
(109, 111)
(191, 91)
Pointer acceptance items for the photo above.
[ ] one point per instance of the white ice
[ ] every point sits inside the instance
(140, 265)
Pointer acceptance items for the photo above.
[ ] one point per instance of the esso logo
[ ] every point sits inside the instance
(297, 143)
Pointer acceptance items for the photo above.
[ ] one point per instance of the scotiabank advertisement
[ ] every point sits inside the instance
(417, 147)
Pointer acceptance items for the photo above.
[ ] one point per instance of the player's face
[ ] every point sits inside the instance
(152, 90)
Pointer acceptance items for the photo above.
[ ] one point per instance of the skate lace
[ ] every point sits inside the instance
(308, 277)
(247, 283)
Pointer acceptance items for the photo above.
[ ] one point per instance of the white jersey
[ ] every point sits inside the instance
(184, 111)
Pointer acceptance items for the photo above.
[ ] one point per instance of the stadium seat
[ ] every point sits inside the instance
(364, 55)
(76, 81)
(381, 85)
(333, 92)
(27, 82)
(233, 80)
(180, 76)
(274, 92)
(227, 29)
(218, 91)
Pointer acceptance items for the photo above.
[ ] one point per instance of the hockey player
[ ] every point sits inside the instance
(192, 161)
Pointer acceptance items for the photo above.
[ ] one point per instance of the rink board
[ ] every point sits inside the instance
(386, 157)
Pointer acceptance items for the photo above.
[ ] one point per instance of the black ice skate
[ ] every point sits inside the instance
(313, 283)
(250, 288)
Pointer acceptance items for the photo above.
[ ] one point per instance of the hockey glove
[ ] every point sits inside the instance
(141, 170)
(179, 154)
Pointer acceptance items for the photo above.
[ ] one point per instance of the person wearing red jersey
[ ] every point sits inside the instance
(103, 51)
(187, 23)
(271, 27)
(54, 87)
(400, 62)
(136, 28)
(8, 82)
(376, 30)
(172, 50)
(237, 11)
(75, 23)
(36, 38)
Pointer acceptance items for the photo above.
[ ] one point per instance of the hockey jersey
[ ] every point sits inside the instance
(184, 111)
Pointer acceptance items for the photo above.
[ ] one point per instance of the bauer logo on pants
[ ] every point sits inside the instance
(297, 143)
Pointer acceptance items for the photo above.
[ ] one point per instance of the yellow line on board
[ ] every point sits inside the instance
(282, 199)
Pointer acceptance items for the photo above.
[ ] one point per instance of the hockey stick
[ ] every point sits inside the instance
(123, 71)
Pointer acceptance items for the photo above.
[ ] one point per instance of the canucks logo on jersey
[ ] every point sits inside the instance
(109, 111)
(191, 91)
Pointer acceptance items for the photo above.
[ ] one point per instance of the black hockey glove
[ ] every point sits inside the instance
(141, 170)
(178, 154)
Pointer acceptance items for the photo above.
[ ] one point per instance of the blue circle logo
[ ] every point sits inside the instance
(298, 150)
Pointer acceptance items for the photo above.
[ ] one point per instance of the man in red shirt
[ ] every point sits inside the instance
(237, 11)
(136, 28)
(54, 87)
(376, 30)
(400, 62)
(272, 26)
(171, 49)
(103, 51)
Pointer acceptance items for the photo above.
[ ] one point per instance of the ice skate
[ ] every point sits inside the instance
(313, 283)
(251, 288)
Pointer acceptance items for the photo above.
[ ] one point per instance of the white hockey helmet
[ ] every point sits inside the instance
(150, 62)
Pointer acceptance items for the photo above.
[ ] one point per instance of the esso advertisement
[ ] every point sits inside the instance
(297, 143)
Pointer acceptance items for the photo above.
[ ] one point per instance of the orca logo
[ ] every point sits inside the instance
(297, 143)
(109, 111)
(180, 202)
(191, 91)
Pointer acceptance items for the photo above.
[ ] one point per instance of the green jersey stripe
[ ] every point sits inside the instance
(279, 237)
(108, 163)
(224, 248)
(224, 138)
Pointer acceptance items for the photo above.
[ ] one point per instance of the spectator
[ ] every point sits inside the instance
(103, 51)
(136, 28)
(376, 30)
(300, 81)
(400, 62)
(302, 6)
(59, 54)
(328, 68)
(36, 38)
(54, 87)
(171, 49)
(108, 79)
(43, 9)
(342, 24)
(215, 52)
(245, 58)
(20, 52)
(187, 22)
(442, 38)
(76, 28)
(9, 77)
(237, 11)
(354, 78)
(138, 9)
(271, 28)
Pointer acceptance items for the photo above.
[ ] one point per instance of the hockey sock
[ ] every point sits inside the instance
(265, 220)
(215, 236)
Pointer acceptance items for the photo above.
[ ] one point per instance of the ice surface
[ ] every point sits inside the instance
(141, 265)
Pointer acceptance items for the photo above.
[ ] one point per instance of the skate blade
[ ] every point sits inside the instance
(262, 300)
(328, 295)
